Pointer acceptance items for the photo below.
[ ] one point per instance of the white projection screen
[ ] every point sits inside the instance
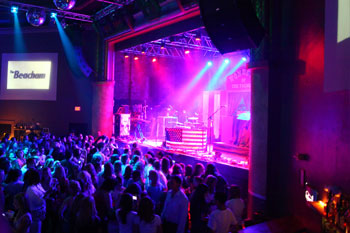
(28, 76)
(337, 46)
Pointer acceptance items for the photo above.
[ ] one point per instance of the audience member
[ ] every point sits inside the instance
(126, 217)
(221, 220)
(175, 210)
(235, 203)
(148, 221)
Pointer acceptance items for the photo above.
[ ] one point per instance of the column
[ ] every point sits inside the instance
(102, 108)
(257, 180)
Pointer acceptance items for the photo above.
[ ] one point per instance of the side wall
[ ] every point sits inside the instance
(71, 91)
(303, 117)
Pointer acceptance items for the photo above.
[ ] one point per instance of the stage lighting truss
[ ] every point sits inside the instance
(60, 13)
(176, 45)
(114, 5)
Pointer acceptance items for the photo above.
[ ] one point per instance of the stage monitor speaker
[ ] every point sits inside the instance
(232, 25)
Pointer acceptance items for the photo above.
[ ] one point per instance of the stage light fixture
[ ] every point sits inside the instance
(126, 56)
(53, 15)
(187, 51)
(227, 61)
(154, 60)
(198, 36)
(136, 58)
(14, 9)
(210, 63)
(244, 59)
(162, 45)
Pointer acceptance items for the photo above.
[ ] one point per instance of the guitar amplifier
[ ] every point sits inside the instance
(165, 122)
(122, 125)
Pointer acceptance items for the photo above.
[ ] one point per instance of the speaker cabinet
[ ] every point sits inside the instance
(232, 25)
(122, 125)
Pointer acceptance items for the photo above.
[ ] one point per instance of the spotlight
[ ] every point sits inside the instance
(227, 61)
(210, 63)
(126, 56)
(136, 58)
(14, 9)
(187, 51)
(162, 45)
(244, 59)
(198, 36)
(53, 15)
(154, 60)
(143, 50)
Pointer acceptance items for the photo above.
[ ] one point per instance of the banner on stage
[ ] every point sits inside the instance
(240, 81)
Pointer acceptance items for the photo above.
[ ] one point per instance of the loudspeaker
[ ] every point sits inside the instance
(231, 24)
(122, 125)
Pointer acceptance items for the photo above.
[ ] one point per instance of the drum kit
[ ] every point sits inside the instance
(157, 119)
(190, 123)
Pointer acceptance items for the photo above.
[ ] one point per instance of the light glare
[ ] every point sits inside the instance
(14, 9)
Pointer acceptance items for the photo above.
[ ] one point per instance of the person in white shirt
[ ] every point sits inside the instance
(174, 215)
(148, 221)
(127, 219)
(235, 203)
(35, 194)
(221, 220)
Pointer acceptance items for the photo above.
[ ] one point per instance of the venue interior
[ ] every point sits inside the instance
(257, 88)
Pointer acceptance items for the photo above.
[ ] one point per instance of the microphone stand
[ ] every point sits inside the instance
(211, 130)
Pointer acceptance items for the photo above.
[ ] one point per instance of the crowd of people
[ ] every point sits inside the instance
(82, 184)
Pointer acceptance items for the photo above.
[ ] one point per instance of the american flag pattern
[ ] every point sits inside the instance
(186, 139)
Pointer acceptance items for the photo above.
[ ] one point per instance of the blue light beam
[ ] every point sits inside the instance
(213, 82)
(194, 81)
(244, 59)
(18, 35)
(69, 50)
